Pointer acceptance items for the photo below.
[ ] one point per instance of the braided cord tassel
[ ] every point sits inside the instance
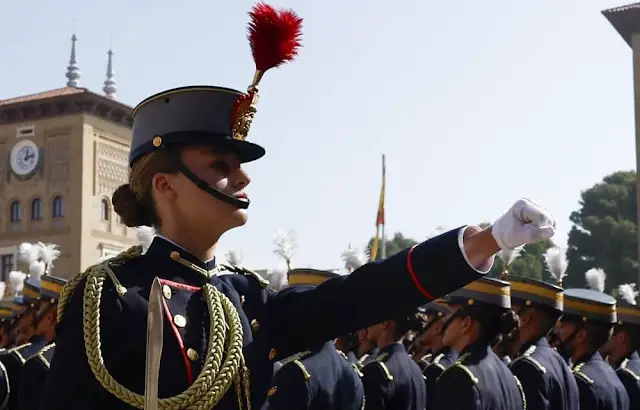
(224, 349)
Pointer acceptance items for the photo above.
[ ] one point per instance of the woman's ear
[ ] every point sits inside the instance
(162, 184)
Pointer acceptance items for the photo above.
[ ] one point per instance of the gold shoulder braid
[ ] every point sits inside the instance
(224, 362)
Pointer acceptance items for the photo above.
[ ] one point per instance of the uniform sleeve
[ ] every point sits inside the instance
(371, 294)
(588, 396)
(456, 391)
(431, 374)
(533, 383)
(4, 388)
(70, 380)
(377, 386)
(34, 375)
(290, 390)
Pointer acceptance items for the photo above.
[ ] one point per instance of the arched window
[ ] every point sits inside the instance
(15, 213)
(57, 207)
(36, 209)
(104, 209)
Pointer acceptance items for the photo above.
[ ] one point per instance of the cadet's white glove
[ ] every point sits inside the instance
(526, 222)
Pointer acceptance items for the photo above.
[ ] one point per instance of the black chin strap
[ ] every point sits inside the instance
(238, 203)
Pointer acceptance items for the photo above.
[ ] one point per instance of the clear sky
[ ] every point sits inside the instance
(474, 103)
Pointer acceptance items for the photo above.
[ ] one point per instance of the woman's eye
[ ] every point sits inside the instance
(221, 166)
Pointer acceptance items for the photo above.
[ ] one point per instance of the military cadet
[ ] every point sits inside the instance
(481, 311)
(622, 348)
(364, 351)
(6, 325)
(547, 381)
(583, 329)
(36, 368)
(6, 317)
(393, 380)
(443, 356)
(26, 307)
(320, 378)
(186, 180)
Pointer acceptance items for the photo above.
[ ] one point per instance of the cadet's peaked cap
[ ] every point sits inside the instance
(6, 310)
(531, 292)
(194, 115)
(628, 314)
(590, 305)
(31, 290)
(18, 305)
(484, 291)
(307, 276)
(51, 287)
(438, 307)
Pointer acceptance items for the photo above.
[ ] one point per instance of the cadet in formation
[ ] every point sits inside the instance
(622, 348)
(320, 378)
(393, 380)
(546, 379)
(26, 307)
(443, 356)
(583, 329)
(36, 368)
(186, 180)
(7, 317)
(479, 380)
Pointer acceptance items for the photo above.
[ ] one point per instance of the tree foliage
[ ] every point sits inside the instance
(604, 232)
(394, 245)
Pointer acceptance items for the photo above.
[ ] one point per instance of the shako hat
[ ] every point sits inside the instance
(217, 116)
(485, 290)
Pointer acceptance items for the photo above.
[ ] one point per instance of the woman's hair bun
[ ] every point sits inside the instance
(132, 211)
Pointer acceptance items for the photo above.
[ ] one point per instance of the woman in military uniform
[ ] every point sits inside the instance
(479, 380)
(186, 180)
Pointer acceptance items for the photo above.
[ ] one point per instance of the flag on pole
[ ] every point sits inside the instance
(380, 218)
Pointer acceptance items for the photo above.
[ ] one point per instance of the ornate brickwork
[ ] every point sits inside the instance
(111, 167)
(58, 151)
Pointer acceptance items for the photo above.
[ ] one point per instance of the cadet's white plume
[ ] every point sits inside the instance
(277, 278)
(285, 245)
(353, 258)
(145, 235)
(234, 257)
(16, 282)
(556, 260)
(3, 289)
(596, 279)
(628, 293)
(37, 269)
(509, 255)
(47, 253)
(28, 252)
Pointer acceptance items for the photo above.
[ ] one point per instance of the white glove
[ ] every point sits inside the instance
(526, 222)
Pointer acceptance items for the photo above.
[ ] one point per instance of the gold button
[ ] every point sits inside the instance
(272, 391)
(272, 354)
(175, 255)
(192, 354)
(157, 141)
(166, 291)
(180, 320)
(255, 325)
(528, 303)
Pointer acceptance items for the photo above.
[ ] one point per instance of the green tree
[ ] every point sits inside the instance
(604, 232)
(529, 264)
(394, 245)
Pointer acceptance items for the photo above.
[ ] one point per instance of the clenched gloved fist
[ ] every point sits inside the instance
(526, 222)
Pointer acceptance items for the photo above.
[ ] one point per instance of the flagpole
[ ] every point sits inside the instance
(384, 242)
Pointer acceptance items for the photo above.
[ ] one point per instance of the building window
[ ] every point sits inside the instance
(15, 213)
(36, 209)
(57, 207)
(104, 210)
(7, 265)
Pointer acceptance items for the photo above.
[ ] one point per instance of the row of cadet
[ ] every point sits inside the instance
(508, 344)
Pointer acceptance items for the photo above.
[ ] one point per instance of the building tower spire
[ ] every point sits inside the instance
(73, 71)
(110, 83)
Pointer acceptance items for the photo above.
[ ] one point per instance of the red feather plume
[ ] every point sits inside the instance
(274, 36)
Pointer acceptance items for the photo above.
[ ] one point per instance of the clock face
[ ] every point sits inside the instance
(24, 157)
